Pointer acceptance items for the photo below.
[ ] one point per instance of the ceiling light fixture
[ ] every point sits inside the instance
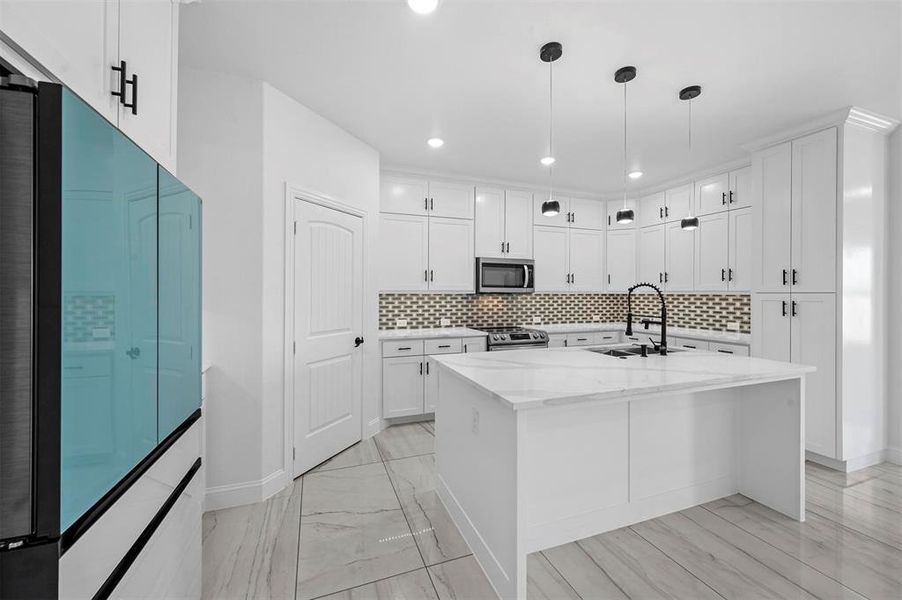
(435, 142)
(624, 75)
(687, 94)
(549, 53)
(634, 174)
(422, 7)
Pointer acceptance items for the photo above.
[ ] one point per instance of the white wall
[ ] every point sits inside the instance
(238, 152)
(895, 297)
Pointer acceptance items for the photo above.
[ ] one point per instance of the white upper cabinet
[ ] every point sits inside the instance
(771, 218)
(679, 274)
(404, 253)
(587, 214)
(650, 210)
(711, 194)
(403, 195)
(621, 260)
(586, 260)
(711, 252)
(740, 194)
(518, 224)
(677, 202)
(451, 263)
(651, 255)
(447, 199)
(559, 220)
(489, 217)
(552, 259)
(741, 244)
(617, 205)
(814, 213)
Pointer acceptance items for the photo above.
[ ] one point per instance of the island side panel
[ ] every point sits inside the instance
(476, 464)
(771, 445)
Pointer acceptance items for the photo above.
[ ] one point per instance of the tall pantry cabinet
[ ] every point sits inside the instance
(818, 276)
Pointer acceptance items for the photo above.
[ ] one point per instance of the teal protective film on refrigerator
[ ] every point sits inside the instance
(179, 303)
(109, 312)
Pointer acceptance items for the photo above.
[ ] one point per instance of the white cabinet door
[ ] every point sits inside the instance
(587, 214)
(447, 199)
(712, 252)
(518, 224)
(148, 43)
(814, 212)
(403, 195)
(771, 326)
(739, 272)
(557, 340)
(711, 194)
(617, 205)
(771, 214)
(678, 202)
(586, 260)
(651, 255)
(580, 339)
(651, 210)
(78, 42)
(430, 385)
(679, 276)
(814, 343)
(740, 194)
(559, 220)
(474, 345)
(552, 250)
(489, 223)
(402, 386)
(404, 253)
(621, 259)
(451, 264)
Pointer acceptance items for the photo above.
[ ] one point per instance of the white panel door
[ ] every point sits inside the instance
(78, 42)
(711, 194)
(518, 224)
(741, 243)
(616, 205)
(678, 202)
(430, 383)
(771, 218)
(587, 260)
(621, 259)
(559, 220)
(587, 214)
(814, 343)
(771, 326)
(451, 264)
(679, 276)
(403, 195)
(448, 199)
(740, 194)
(489, 222)
(814, 212)
(328, 316)
(402, 386)
(651, 210)
(552, 250)
(651, 255)
(712, 252)
(148, 43)
(403, 253)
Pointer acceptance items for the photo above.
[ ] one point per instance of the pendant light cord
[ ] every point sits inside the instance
(551, 129)
(690, 146)
(624, 145)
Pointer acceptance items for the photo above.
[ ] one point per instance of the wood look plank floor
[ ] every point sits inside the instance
(367, 524)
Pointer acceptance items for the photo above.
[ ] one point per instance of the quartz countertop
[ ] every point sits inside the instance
(731, 337)
(543, 377)
(429, 333)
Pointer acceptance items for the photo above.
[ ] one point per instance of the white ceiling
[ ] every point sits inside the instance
(470, 73)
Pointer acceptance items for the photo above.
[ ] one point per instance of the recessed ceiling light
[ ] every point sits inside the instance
(435, 142)
(422, 7)
(547, 161)
(634, 174)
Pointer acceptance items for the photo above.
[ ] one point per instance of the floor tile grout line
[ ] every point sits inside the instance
(895, 549)
(556, 570)
(857, 494)
(297, 562)
(312, 472)
(600, 568)
(859, 498)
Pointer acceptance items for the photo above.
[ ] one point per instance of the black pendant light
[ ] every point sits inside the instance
(624, 75)
(549, 53)
(687, 94)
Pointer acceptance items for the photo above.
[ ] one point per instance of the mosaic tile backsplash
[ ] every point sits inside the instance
(698, 311)
(86, 315)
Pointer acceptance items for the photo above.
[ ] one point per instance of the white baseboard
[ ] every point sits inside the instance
(373, 427)
(852, 464)
(248, 492)
(894, 455)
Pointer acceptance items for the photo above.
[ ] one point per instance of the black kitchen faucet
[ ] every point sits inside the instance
(662, 348)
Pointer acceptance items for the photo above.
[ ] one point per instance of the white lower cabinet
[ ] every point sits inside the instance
(735, 349)
(430, 386)
(557, 340)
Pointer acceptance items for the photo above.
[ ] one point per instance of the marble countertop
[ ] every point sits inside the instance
(533, 378)
(732, 337)
(437, 332)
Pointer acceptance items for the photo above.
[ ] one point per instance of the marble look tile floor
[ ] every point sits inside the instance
(367, 524)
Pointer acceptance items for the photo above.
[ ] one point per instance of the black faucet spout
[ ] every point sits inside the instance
(663, 322)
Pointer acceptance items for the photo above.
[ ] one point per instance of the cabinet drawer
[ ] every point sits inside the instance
(607, 337)
(580, 339)
(475, 345)
(687, 343)
(737, 349)
(402, 348)
(443, 346)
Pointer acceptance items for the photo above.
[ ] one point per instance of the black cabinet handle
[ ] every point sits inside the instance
(785, 272)
(725, 351)
(794, 307)
(723, 274)
(134, 103)
(425, 203)
(502, 247)
(731, 197)
(723, 198)
(572, 278)
(508, 247)
(122, 75)
(690, 346)
(795, 277)
(661, 212)
(729, 274)
(404, 348)
(445, 346)
(426, 275)
(421, 368)
(432, 204)
(666, 276)
(666, 211)
(609, 220)
(609, 279)
(427, 367)
(358, 340)
(431, 275)
(660, 277)
(784, 308)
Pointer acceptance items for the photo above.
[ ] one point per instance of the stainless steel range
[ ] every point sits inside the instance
(514, 338)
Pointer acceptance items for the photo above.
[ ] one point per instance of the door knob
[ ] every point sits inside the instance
(357, 341)
(133, 352)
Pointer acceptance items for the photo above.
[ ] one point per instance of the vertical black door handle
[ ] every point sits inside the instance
(666, 276)
(784, 308)
(666, 211)
(425, 203)
(660, 277)
(729, 274)
(723, 198)
(723, 274)
(431, 275)
(731, 196)
(134, 103)
(795, 277)
(421, 368)
(432, 204)
(784, 276)
(427, 367)
(121, 70)
(426, 275)
(794, 307)
(661, 212)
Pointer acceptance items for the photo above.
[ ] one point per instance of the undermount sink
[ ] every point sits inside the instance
(628, 352)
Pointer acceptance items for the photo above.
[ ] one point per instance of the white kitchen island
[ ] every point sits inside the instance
(536, 448)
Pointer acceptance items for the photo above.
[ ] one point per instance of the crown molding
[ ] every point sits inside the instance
(688, 178)
(851, 115)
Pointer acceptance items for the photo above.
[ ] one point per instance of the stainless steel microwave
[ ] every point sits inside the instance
(505, 276)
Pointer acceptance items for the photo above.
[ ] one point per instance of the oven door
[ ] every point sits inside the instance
(518, 347)
(505, 276)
